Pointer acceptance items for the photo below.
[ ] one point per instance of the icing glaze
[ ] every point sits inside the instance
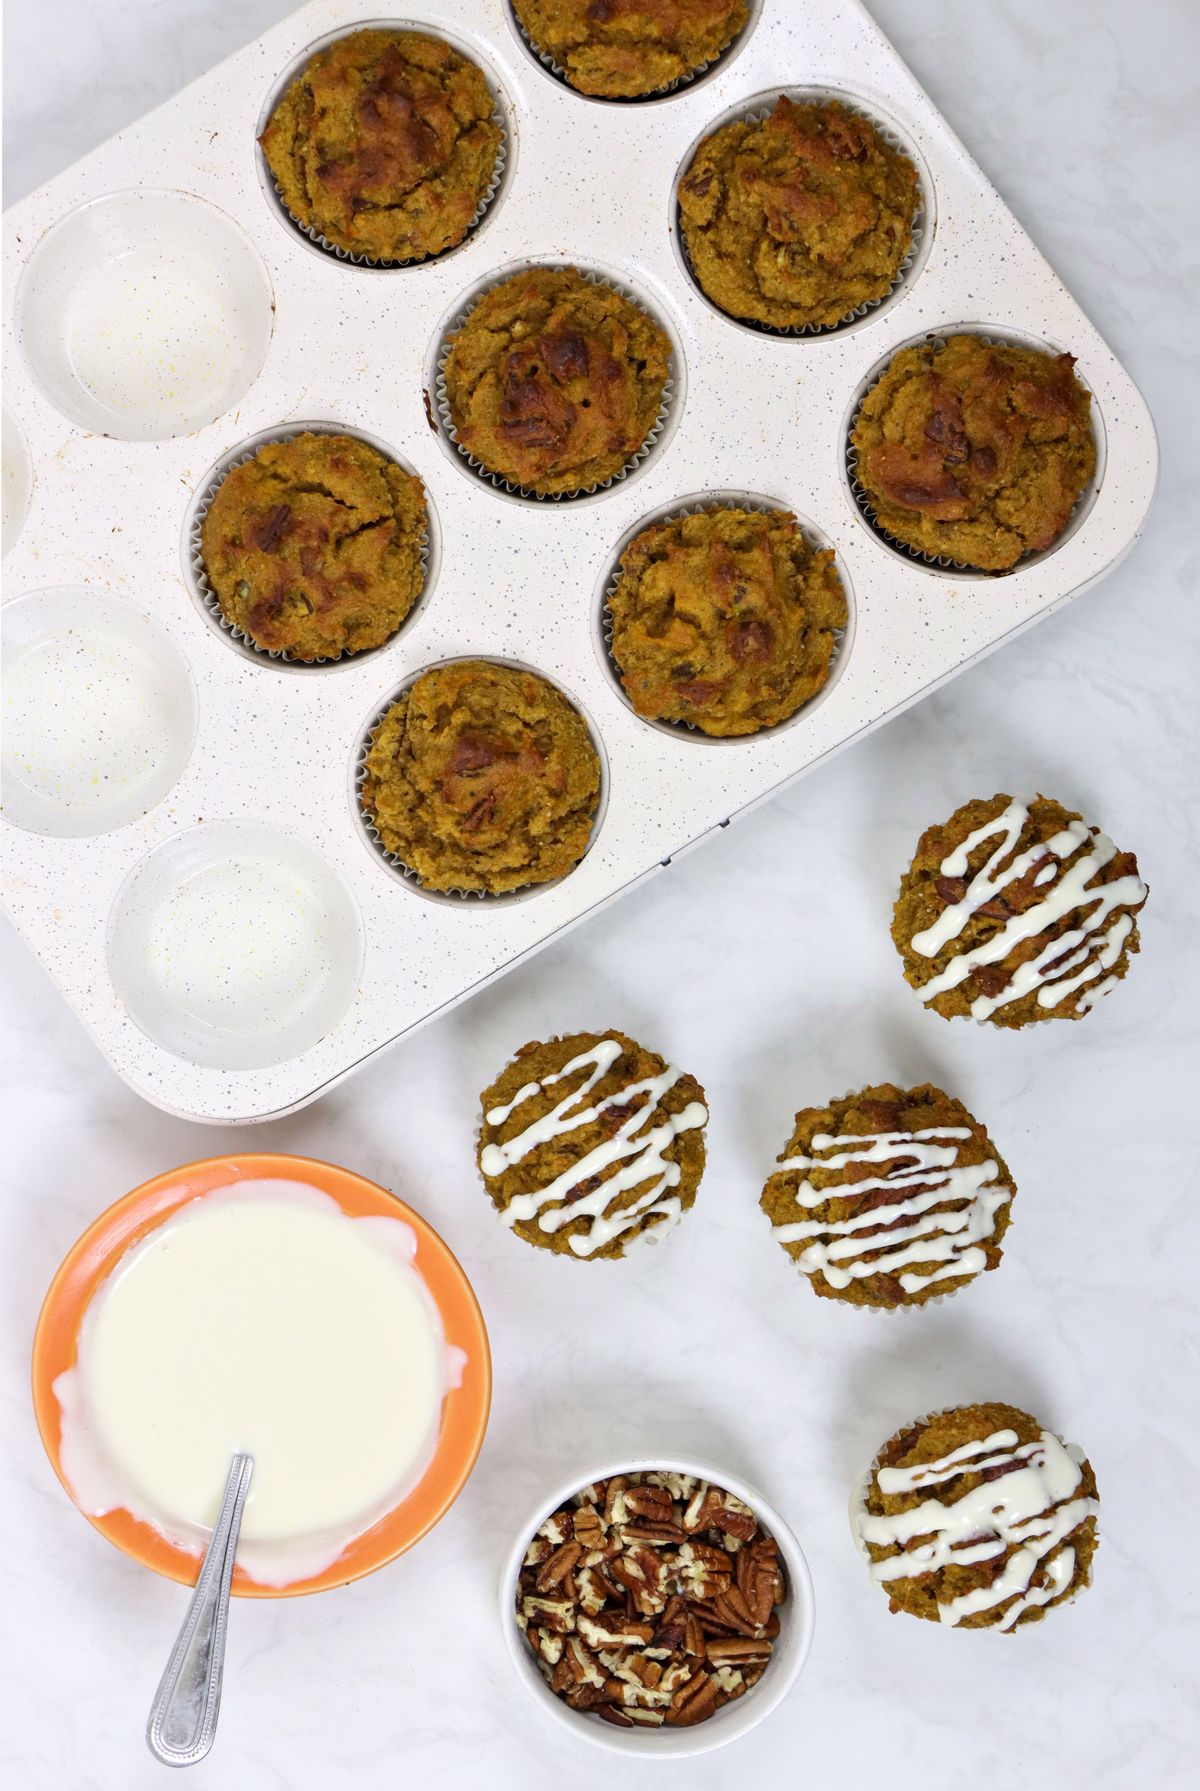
(637, 1145)
(1032, 1506)
(952, 1207)
(1067, 964)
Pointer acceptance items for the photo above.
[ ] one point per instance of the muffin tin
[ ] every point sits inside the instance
(276, 746)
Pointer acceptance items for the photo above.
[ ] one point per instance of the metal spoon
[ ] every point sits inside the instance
(183, 1716)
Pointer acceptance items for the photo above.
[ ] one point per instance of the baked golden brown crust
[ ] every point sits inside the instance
(629, 1106)
(975, 451)
(799, 219)
(554, 382)
(626, 49)
(868, 1156)
(482, 777)
(1064, 1566)
(725, 619)
(1031, 920)
(385, 144)
(314, 546)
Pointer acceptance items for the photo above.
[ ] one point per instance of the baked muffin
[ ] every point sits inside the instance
(626, 49)
(483, 778)
(591, 1144)
(314, 547)
(726, 619)
(385, 145)
(554, 382)
(1015, 911)
(890, 1197)
(975, 451)
(979, 1518)
(796, 221)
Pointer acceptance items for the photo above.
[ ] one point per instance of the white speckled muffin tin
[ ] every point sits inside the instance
(511, 578)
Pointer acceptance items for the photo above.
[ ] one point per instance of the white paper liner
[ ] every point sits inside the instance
(757, 115)
(686, 729)
(633, 99)
(943, 562)
(862, 1486)
(497, 479)
(349, 256)
(211, 602)
(404, 871)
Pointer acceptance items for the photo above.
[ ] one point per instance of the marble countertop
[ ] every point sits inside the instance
(764, 965)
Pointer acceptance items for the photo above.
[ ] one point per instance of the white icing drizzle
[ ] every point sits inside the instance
(642, 1144)
(953, 1207)
(1067, 963)
(1035, 1504)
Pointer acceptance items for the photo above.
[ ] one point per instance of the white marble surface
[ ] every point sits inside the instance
(763, 964)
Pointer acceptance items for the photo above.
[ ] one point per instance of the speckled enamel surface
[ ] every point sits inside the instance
(516, 579)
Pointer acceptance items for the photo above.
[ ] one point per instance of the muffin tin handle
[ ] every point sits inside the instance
(183, 1716)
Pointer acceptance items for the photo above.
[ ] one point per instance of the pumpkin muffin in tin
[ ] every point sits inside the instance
(795, 220)
(555, 382)
(890, 1197)
(386, 145)
(482, 778)
(629, 49)
(974, 451)
(591, 1144)
(315, 547)
(726, 619)
(978, 1518)
(1016, 911)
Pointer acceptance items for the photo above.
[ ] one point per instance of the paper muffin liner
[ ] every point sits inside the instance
(497, 480)
(404, 871)
(635, 99)
(376, 263)
(862, 1486)
(688, 730)
(199, 574)
(916, 240)
(943, 562)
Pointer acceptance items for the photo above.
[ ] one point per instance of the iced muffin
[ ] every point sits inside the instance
(626, 49)
(385, 145)
(1016, 911)
(978, 1518)
(975, 451)
(314, 547)
(482, 778)
(890, 1197)
(554, 382)
(591, 1143)
(797, 220)
(727, 620)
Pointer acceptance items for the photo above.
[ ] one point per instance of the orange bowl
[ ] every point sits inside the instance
(464, 1412)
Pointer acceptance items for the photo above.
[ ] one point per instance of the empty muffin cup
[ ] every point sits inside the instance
(144, 314)
(99, 712)
(235, 945)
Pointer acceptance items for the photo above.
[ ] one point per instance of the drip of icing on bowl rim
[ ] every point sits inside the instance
(259, 1316)
(642, 1148)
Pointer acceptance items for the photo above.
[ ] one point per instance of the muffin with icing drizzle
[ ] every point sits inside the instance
(890, 1197)
(975, 451)
(978, 1518)
(1015, 911)
(555, 382)
(591, 1144)
(482, 778)
(726, 620)
(385, 145)
(795, 220)
(626, 49)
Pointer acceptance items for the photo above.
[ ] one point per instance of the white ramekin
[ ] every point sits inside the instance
(734, 1719)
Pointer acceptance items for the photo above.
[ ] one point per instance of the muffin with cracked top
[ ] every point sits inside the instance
(629, 49)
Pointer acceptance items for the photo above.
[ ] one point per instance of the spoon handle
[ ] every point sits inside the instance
(183, 1716)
